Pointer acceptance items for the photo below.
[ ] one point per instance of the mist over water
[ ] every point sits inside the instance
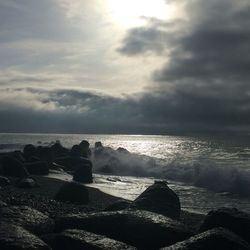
(205, 172)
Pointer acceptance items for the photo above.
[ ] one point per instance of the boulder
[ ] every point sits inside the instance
(13, 237)
(26, 183)
(45, 154)
(3, 204)
(58, 150)
(37, 168)
(79, 239)
(29, 150)
(216, 239)
(75, 151)
(4, 181)
(118, 205)
(159, 198)
(73, 192)
(72, 163)
(12, 167)
(83, 174)
(142, 229)
(28, 218)
(85, 150)
(230, 218)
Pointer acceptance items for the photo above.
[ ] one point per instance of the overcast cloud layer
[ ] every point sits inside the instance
(197, 70)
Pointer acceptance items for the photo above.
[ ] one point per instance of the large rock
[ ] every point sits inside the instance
(159, 198)
(73, 163)
(216, 239)
(4, 181)
(230, 218)
(142, 229)
(58, 150)
(12, 167)
(14, 237)
(118, 205)
(78, 239)
(83, 174)
(27, 183)
(29, 151)
(30, 219)
(37, 168)
(73, 192)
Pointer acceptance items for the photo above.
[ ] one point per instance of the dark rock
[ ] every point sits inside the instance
(29, 151)
(73, 192)
(12, 167)
(75, 151)
(159, 198)
(85, 150)
(230, 218)
(79, 239)
(83, 174)
(18, 155)
(30, 219)
(3, 204)
(142, 229)
(45, 154)
(26, 183)
(14, 237)
(72, 163)
(118, 205)
(122, 150)
(216, 239)
(4, 181)
(58, 150)
(98, 144)
(37, 168)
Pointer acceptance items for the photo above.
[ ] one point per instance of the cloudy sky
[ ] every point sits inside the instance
(125, 66)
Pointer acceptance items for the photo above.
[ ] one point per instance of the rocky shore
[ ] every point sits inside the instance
(38, 212)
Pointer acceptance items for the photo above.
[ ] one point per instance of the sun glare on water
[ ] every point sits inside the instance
(128, 13)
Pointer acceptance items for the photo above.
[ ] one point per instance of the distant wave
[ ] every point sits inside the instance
(203, 174)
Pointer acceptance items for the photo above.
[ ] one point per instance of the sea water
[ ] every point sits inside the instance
(206, 172)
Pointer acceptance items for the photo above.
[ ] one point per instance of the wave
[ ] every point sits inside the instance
(204, 174)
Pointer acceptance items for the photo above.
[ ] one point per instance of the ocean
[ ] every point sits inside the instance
(206, 172)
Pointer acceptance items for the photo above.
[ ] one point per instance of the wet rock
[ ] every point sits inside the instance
(30, 219)
(14, 237)
(230, 218)
(37, 168)
(72, 163)
(4, 181)
(3, 204)
(29, 151)
(12, 167)
(45, 154)
(85, 150)
(142, 229)
(75, 151)
(73, 192)
(216, 239)
(118, 205)
(79, 239)
(58, 150)
(159, 198)
(27, 183)
(122, 150)
(83, 174)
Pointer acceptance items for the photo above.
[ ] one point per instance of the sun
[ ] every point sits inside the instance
(128, 13)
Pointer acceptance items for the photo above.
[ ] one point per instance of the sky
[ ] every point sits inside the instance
(125, 66)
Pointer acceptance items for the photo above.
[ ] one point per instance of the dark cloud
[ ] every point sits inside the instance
(205, 84)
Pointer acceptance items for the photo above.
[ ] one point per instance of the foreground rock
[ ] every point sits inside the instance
(12, 167)
(28, 218)
(14, 237)
(216, 239)
(4, 181)
(79, 239)
(142, 229)
(118, 205)
(73, 192)
(26, 183)
(230, 218)
(83, 174)
(159, 198)
(37, 168)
